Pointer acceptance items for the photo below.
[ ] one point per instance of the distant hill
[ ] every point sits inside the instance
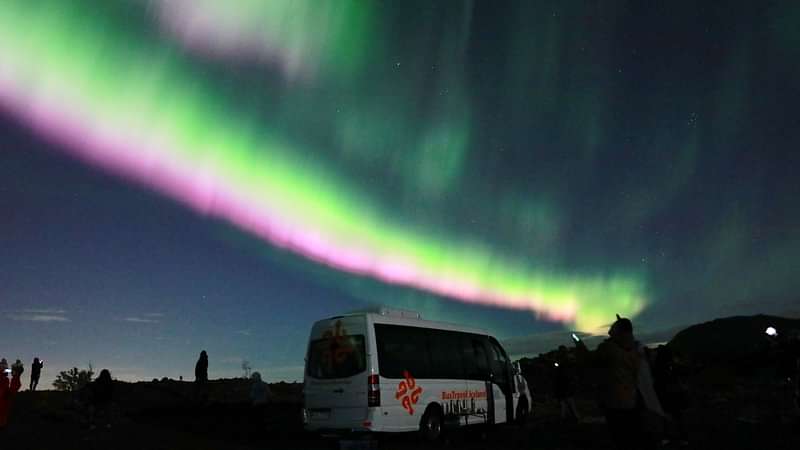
(542, 343)
(729, 339)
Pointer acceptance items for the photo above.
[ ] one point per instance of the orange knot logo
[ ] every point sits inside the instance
(408, 392)
(339, 348)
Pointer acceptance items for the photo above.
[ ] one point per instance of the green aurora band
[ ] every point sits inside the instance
(141, 105)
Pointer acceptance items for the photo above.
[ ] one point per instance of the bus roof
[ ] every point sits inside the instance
(410, 318)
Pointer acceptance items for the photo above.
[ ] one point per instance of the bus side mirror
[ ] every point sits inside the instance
(517, 368)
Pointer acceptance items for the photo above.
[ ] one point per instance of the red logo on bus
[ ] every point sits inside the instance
(408, 392)
(340, 347)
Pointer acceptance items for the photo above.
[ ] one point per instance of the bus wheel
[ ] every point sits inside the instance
(522, 412)
(430, 427)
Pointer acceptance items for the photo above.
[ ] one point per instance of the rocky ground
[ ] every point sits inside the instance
(728, 412)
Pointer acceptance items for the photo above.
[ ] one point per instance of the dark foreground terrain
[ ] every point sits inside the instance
(739, 384)
(728, 412)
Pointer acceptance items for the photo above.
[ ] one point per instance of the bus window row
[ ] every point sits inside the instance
(439, 354)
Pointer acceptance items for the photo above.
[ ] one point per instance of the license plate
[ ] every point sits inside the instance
(363, 444)
(320, 415)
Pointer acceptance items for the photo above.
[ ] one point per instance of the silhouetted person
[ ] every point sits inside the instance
(8, 389)
(101, 394)
(17, 369)
(259, 397)
(201, 376)
(565, 385)
(201, 368)
(672, 392)
(36, 372)
(259, 390)
(617, 359)
(651, 414)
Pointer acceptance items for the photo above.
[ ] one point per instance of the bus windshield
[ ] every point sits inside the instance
(336, 357)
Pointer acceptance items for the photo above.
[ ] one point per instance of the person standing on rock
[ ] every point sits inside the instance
(36, 372)
(201, 377)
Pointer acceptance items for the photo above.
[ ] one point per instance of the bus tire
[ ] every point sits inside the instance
(430, 426)
(523, 412)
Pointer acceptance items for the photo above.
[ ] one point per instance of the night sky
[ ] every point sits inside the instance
(179, 175)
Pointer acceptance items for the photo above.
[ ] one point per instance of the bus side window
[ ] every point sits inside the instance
(474, 356)
(400, 349)
(445, 358)
(498, 361)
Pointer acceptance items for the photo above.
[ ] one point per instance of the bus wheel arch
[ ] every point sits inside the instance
(431, 424)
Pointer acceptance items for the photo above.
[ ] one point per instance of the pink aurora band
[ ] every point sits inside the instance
(144, 159)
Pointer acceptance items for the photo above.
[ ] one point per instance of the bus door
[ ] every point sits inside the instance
(481, 407)
(335, 385)
(448, 376)
(502, 381)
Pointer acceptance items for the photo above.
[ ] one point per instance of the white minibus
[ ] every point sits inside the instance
(391, 371)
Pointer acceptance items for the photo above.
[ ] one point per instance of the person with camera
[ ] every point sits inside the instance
(36, 372)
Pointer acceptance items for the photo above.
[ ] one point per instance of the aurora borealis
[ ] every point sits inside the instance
(560, 163)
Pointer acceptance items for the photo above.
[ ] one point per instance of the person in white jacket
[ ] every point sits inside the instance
(651, 411)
